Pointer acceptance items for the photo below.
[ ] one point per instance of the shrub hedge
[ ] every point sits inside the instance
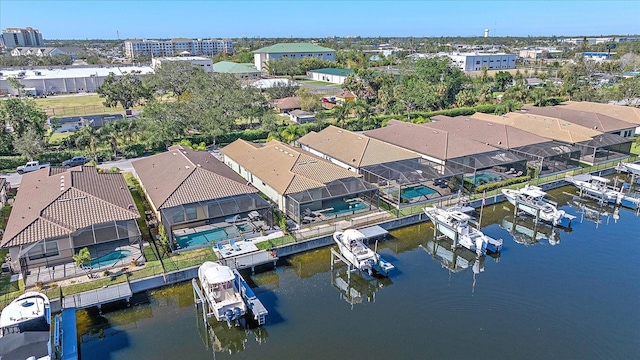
(499, 184)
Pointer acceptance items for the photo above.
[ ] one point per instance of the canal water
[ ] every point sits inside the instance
(550, 294)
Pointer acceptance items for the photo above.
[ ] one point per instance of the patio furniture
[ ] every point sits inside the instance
(233, 245)
(224, 251)
(232, 219)
(254, 215)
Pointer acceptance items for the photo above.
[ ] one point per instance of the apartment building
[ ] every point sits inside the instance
(176, 47)
(14, 37)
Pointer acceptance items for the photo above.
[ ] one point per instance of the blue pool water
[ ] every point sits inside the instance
(201, 238)
(110, 258)
(416, 192)
(245, 227)
(484, 178)
(343, 208)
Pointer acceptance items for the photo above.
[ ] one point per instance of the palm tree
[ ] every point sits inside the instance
(87, 138)
(109, 133)
(341, 112)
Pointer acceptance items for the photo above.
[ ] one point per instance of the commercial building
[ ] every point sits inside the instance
(205, 63)
(63, 79)
(14, 37)
(304, 186)
(243, 71)
(46, 51)
(332, 75)
(291, 51)
(597, 55)
(192, 191)
(58, 211)
(475, 61)
(174, 47)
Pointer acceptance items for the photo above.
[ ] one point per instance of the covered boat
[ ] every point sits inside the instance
(455, 225)
(222, 291)
(25, 328)
(531, 200)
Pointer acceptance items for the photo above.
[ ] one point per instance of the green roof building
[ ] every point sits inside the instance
(332, 75)
(241, 70)
(292, 51)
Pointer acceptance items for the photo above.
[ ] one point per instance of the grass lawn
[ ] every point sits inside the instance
(635, 148)
(319, 83)
(77, 105)
(275, 242)
(141, 204)
(57, 138)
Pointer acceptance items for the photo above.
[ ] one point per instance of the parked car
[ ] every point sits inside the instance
(76, 161)
(31, 166)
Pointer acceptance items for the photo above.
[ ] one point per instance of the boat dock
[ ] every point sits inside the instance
(244, 255)
(65, 340)
(382, 267)
(97, 297)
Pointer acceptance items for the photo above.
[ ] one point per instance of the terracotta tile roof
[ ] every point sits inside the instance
(345, 94)
(284, 168)
(626, 113)
(286, 103)
(591, 120)
(428, 141)
(184, 176)
(544, 126)
(495, 134)
(53, 203)
(354, 149)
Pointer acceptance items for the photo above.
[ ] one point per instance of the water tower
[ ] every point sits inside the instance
(486, 32)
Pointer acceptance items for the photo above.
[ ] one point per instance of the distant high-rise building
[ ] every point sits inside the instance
(14, 37)
(176, 47)
(486, 32)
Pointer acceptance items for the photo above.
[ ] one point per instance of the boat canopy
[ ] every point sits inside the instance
(216, 274)
(533, 191)
(460, 216)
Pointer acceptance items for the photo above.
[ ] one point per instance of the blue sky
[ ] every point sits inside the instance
(95, 19)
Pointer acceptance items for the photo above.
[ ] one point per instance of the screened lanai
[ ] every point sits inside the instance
(550, 157)
(338, 198)
(604, 147)
(412, 181)
(216, 213)
(489, 167)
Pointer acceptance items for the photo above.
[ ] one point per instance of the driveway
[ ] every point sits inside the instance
(124, 165)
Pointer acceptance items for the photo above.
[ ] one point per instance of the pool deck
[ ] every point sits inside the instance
(46, 274)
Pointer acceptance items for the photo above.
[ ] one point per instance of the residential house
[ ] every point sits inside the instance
(47, 51)
(301, 117)
(547, 155)
(629, 114)
(297, 51)
(344, 96)
(595, 146)
(446, 149)
(58, 211)
(285, 105)
(190, 189)
(300, 182)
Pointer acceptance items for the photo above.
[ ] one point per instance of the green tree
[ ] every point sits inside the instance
(87, 138)
(282, 89)
(22, 115)
(309, 101)
(127, 90)
(173, 77)
(503, 79)
(30, 144)
(466, 98)
(627, 90)
(162, 123)
(14, 83)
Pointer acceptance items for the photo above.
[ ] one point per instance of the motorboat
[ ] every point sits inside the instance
(31, 311)
(455, 225)
(25, 328)
(531, 200)
(222, 291)
(598, 188)
(352, 248)
(629, 167)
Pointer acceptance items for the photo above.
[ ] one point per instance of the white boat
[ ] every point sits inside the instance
(630, 168)
(352, 248)
(455, 225)
(531, 200)
(598, 187)
(25, 328)
(222, 291)
(29, 312)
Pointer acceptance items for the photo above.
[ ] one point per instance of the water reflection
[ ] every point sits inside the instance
(218, 337)
(526, 232)
(457, 259)
(595, 212)
(355, 287)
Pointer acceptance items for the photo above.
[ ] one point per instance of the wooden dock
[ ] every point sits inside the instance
(97, 297)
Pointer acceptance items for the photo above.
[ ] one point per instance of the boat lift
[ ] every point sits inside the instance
(254, 304)
(382, 267)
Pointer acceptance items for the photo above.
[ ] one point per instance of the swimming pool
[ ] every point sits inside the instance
(485, 178)
(245, 227)
(110, 258)
(202, 237)
(416, 192)
(343, 208)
